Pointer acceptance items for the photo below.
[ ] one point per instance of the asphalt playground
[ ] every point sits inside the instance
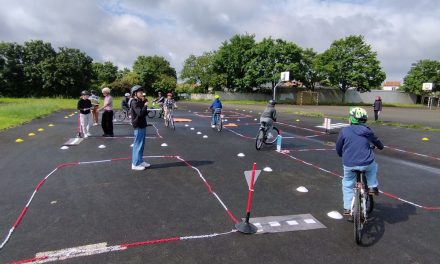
(84, 204)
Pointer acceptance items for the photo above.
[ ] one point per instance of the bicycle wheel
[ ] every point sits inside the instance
(357, 217)
(219, 123)
(260, 139)
(120, 116)
(151, 113)
(167, 120)
(275, 132)
(172, 122)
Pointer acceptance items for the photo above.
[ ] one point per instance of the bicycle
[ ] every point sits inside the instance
(169, 119)
(121, 115)
(361, 205)
(218, 121)
(154, 111)
(263, 135)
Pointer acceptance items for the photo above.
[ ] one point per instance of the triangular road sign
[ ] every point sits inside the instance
(248, 176)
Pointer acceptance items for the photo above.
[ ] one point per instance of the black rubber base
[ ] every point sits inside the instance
(246, 228)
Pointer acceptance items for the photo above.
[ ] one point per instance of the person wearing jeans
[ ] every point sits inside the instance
(349, 180)
(354, 146)
(139, 111)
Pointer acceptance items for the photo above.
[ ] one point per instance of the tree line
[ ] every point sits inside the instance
(240, 64)
(36, 69)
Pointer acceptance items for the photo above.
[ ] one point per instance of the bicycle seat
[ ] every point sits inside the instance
(358, 171)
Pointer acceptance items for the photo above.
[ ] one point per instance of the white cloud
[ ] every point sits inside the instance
(401, 31)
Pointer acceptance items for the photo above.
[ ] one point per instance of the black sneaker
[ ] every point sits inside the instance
(373, 191)
(348, 216)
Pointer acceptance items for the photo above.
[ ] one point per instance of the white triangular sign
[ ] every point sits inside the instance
(248, 176)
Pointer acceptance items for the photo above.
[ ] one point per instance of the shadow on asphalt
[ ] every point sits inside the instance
(385, 213)
(195, 163)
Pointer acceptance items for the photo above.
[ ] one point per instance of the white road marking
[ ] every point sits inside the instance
(309, 221)
(292, 222)
(274, 224)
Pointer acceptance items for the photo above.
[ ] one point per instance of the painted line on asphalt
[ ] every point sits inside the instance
(67, 164)
(102, 248)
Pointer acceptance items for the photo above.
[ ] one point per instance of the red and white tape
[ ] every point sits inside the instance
(429, 208)
(43, 180)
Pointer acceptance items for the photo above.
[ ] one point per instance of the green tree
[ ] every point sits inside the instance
(11, 70)
(310, 74)
(200, 71)
(125, 82)
(72, 72)
(350, 63)
(104, 73)
(153, 70)
(269, 58)
(424, 71)
(231, 61)
(38, 60)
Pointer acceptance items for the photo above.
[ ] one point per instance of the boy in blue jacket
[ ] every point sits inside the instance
(353, 145)
(216, 107)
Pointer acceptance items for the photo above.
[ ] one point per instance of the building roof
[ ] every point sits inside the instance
(392, 83)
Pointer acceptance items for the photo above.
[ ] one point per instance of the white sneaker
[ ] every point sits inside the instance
(213, 126)
(137, 168)
(144, 164)
(88, 134)
(95, 124)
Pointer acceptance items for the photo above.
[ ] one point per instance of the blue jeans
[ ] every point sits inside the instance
(349, 181)
(214, 116)
(138, 146)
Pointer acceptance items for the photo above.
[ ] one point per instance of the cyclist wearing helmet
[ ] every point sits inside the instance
(169, 103)
(84, 106)
(139, 111)
(160, 100)
(269, 116)
(216, 107)
(125, 102)
(354, 146)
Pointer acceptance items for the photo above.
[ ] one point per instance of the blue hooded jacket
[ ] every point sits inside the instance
(216, 104)
(353, 145)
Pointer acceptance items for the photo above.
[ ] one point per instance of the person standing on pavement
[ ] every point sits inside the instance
(139, 111)
(84, 106)
(95, 105)
(377, 107)
(107, 115)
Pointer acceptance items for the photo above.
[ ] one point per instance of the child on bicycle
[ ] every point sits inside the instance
(353, 145)
(139, 111)
(169, 103)
(160, 99)
(125, 103)
(216, 108)
(269, 116)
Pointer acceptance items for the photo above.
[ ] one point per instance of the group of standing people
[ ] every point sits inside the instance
(88, 106)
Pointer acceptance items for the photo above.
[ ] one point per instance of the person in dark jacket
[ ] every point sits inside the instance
(139, 111)
(216, 108)
(125, 105)
(353, 145)
(377, 107)
(84, 107)
(269, 116)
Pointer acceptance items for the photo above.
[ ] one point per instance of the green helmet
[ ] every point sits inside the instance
(358, 115)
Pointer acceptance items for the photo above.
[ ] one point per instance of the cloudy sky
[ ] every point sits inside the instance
(401, 31)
